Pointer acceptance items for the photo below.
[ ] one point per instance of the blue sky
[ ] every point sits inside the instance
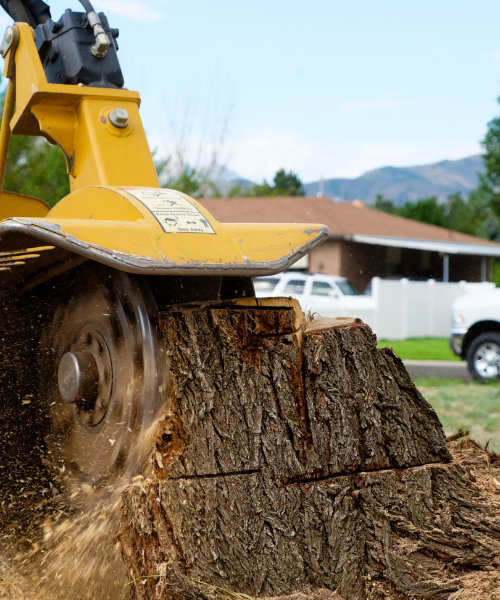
(326, 88)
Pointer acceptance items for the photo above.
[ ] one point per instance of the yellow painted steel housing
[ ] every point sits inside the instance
(117, 213)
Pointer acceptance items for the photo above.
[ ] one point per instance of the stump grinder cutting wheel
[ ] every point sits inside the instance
(115, 249)
(105, 377)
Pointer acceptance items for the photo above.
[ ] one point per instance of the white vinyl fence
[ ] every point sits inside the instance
(405, 309)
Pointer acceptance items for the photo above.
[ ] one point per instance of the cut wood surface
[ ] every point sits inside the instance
(294, 459)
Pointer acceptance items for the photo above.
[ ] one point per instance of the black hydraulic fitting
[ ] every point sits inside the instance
(67, 51)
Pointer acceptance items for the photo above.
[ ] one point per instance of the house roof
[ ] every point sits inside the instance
(348, 221)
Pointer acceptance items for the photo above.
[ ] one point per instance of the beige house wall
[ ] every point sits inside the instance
(326, 258)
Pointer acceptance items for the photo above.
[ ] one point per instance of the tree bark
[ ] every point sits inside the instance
(293, 459)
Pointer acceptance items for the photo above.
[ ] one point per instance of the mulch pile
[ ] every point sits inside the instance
(484, 465)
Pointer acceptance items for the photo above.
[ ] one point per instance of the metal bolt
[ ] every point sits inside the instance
(8, 38)
(119, 118)
(69, 377)
(77, 376)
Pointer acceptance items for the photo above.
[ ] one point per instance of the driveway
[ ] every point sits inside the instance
(443, 369)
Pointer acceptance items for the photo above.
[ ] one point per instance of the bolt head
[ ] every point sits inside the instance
(8, 35)
(69, 377)
(119, 118)
(78, 377)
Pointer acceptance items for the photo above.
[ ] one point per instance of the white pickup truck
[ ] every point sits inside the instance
(326, 295)
(475, 333)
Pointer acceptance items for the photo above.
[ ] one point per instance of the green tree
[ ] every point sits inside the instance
(261, 189)
(490, 181)
(488, 192)
(385, 205)
(472, 215)
(238, 190)
(35, 168)
(425, 210)
(285, 184)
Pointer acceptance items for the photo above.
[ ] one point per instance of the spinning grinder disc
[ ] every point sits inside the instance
(104, 372)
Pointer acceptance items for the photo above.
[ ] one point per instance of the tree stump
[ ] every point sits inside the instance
(297, 459)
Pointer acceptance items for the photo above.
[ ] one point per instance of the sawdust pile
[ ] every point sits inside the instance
(477, 585)
(67, 551)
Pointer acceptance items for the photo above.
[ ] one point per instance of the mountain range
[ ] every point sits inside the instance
(403, 184)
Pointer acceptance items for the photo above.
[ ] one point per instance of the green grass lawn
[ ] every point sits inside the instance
(471, 406)
(421, 348)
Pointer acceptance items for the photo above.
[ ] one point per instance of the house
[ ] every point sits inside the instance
(365, 243)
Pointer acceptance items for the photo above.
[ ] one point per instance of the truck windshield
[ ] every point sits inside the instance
(265, 284)
(347, 288)
(295, 286)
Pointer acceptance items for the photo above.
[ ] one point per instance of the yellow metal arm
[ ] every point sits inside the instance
(77, 119)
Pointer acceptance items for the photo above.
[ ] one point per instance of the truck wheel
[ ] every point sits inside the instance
(483, 357)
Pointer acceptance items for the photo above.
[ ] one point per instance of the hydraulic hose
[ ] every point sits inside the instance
(102, 41)
(87, 6)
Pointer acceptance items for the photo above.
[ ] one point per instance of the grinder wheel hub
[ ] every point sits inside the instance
(85, 377)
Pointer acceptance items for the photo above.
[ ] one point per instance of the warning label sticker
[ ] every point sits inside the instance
(174, 213)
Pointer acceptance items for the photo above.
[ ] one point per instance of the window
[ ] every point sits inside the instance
(295, 286)
(321, 288)
(265, 284)
(348, 289)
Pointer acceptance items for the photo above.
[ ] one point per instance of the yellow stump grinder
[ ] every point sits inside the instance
(113, 251)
